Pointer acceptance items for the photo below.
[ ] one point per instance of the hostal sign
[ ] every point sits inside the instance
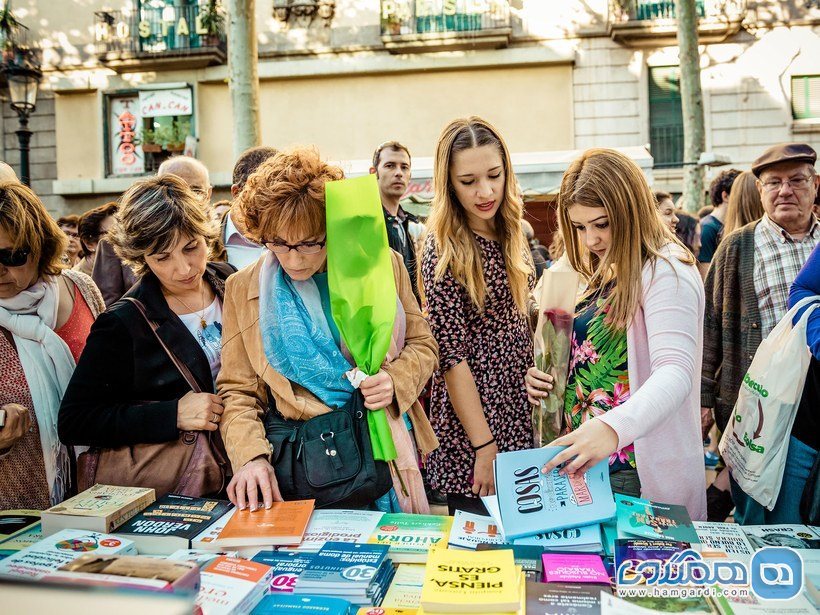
(121, 29)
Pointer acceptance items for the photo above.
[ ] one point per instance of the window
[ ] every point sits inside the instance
(806, 97)
(144, 127)
(665, 116)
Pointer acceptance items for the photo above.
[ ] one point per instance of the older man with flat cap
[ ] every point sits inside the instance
(747, 293)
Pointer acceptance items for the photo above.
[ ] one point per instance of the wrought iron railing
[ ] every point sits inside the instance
(400, 17)
(17, 48)
(651, 10)
(159, 30)
(666, 145)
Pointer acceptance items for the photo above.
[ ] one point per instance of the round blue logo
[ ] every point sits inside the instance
(776, 573)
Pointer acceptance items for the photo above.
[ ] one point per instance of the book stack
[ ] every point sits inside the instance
(472, 582)
(411, 537)
(171, 523)
(232, 585)
(289, 604)
(286, 566)
(102, 508)
(540, 505)
(357, 573)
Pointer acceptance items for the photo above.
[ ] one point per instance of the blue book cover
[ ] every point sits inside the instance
(282, 604)
(344, 565)
(586, 538)
(646, 519)
(286, 565)
(532, 502)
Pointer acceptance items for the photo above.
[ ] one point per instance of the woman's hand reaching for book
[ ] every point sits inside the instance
(592, 441)
(539, 385)
(256, 475)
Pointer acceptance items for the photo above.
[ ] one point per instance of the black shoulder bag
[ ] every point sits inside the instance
(328, 458)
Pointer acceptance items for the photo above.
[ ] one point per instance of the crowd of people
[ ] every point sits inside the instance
(153, 341)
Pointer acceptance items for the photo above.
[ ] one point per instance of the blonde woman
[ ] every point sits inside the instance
(477, 279)
(744, 203)
(633, 390)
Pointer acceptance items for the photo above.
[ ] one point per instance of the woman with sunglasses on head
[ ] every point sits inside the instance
(632, 395)
(46, 312)
(128, 388)
(477, 276)
(282, 348)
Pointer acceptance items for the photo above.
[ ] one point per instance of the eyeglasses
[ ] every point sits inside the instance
(13, 258)
(798, 183)
(305, 247)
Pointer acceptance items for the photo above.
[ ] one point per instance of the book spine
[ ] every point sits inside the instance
(118, 518)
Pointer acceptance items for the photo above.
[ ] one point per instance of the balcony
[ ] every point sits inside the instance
(410, 26)
(653, 23)
(16, 51)
(167, 38)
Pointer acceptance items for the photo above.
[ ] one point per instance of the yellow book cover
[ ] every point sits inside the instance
(471, 582)
(101, 508)
(522, 597)
(12, 521)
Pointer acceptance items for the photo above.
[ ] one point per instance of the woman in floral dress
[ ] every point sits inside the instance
(477, 278)
(633, 394)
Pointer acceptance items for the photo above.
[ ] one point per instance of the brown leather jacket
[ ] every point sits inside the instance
(246, 374)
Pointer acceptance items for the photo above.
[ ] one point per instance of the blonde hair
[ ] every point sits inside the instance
(152, 215)
(27, 222)
(608, 179)
(744, 203)
(458, 250)
(287, 193)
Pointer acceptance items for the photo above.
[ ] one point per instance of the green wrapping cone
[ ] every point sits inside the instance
(362, 287)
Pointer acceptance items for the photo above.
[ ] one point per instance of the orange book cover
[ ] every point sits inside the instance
(284, 523)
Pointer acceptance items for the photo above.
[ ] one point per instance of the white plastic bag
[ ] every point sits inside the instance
(756, 441)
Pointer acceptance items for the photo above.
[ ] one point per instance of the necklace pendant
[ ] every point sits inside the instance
(202, 323)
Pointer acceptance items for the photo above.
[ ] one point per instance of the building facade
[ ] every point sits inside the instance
(129, 85)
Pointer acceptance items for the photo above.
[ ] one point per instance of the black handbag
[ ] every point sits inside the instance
(810, 502)
(328, 458)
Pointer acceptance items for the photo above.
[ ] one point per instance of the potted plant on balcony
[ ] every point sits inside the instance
(177, 132)
(392, 23)
(8, 24)
(150, 144)
(212, 21)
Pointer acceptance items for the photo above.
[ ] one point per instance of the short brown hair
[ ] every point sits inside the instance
(26, 220)
(249, 161)
(153, 213)
(722, 183)
(89, 226)
(392, 145)
(287, 192)
(71, 220)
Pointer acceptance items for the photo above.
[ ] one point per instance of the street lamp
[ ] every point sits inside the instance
(23, 83)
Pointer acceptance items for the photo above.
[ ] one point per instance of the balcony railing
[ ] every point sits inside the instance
(413, 22)
(666, 145)
(653, 22)
(151, 33)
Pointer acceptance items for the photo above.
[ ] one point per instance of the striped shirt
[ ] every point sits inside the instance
(778, 259)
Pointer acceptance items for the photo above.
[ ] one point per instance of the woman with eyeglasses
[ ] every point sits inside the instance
(279, 331)
(46, 312)
(128, 388)
(93, 225)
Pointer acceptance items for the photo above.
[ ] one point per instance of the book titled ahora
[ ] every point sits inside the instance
(471, 582)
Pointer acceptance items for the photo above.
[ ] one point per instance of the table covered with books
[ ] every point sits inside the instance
(575, 548)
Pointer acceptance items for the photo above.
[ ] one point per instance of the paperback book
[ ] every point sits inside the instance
(405, 590)
(564, 598)
(630, 552)
(584, 539)
(286, 566)
(65, 546)
(102, 508)
(14, 521)
(129, 572)
(205, 539)
(411, 537)
(527, 557)
(534, 502)
(470, 530)
(471, 582)
(284, 523)
(232, 585)
(338, 526)
(723, 540)
(574, 568)
(172, 523)
(794, 536)
(646, 519)
(20, 540)
(285, 604)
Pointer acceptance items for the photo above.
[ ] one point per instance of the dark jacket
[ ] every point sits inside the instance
(406, 249)
(125, 389)
(113, 277)
(731, 322)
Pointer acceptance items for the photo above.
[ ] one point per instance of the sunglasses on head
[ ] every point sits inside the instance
(13, 258)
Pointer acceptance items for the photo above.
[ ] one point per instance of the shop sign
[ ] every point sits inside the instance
(124, 123)
(452, 7)
(104, 32)
(165, 103)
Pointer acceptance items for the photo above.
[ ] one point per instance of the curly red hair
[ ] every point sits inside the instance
(287, 194)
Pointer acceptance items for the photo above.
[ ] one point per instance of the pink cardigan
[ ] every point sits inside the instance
(662, 414)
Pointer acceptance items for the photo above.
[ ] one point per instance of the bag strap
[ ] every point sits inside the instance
(183, 369)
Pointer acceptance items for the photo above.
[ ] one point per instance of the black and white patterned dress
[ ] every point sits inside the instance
(497, 345)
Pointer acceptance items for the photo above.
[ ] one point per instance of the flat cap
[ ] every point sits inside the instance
(784, 152)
